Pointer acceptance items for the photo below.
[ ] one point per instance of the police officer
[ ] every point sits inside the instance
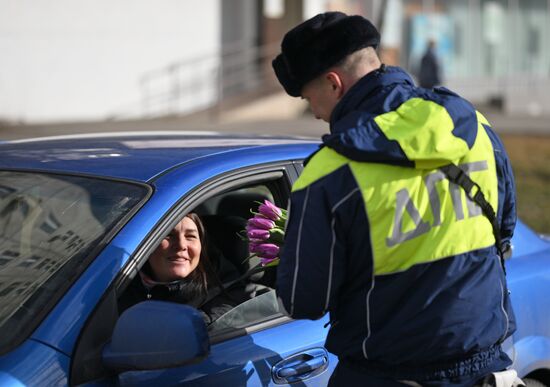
(390, 229)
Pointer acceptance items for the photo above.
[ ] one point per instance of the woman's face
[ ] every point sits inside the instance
(178, 254)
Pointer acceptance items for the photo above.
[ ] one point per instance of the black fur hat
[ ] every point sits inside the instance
(319, 43)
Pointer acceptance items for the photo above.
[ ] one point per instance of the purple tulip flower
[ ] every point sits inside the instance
(253, 241)
(261, 223)
(270, 210)
(253, 247)
(265, 233)
(268, 250)
(256, 233)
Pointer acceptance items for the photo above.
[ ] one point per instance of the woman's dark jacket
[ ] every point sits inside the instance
(185, 292)
(181, 292)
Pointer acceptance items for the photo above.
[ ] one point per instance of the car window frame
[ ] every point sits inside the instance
(100, 323)
(216, 185)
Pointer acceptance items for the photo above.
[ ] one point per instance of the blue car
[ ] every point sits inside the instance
(79, 216)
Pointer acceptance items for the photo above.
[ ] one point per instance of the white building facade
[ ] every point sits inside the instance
(95, 60)
(67, 60)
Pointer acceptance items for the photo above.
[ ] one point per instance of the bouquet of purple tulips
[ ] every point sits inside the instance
(265, 233)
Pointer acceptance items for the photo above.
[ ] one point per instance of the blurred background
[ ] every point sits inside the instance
(81, 66)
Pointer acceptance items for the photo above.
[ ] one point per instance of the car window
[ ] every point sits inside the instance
(224, 205)
(49, 224)
(225, 217)
(238, 202)
(253, 311)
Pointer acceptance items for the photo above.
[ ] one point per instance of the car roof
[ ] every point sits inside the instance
(136, 156)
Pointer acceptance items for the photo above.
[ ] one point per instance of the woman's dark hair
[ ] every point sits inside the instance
(201, 274)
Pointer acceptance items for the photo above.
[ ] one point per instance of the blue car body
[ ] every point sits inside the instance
(64, 345)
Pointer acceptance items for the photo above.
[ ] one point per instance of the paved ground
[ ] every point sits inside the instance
(278, 114)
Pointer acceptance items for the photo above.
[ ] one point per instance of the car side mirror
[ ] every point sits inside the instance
(156, 334)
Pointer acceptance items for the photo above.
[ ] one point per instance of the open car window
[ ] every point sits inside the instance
(224, 216)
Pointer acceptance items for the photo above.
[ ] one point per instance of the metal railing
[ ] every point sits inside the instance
(204, 82)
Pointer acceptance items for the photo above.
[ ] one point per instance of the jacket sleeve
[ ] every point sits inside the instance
(506, 188)
(313, 261)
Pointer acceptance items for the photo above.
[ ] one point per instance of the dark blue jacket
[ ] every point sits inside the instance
(439, 317)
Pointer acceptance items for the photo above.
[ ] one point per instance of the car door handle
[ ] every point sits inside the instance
(300, 366)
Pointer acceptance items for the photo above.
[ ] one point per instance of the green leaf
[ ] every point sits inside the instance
(275, 262)
(277, 236)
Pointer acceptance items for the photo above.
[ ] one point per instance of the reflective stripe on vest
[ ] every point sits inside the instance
(415, 215)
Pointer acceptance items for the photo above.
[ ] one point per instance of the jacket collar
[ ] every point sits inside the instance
(367, 88)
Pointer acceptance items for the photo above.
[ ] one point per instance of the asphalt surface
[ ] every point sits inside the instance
(301, 125)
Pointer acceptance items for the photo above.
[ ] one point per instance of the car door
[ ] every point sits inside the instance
(255, 343)
(278, 351)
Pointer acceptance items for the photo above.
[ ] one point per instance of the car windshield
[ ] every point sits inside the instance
(49, 225)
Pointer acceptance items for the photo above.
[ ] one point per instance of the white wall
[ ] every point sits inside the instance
(82, 59)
